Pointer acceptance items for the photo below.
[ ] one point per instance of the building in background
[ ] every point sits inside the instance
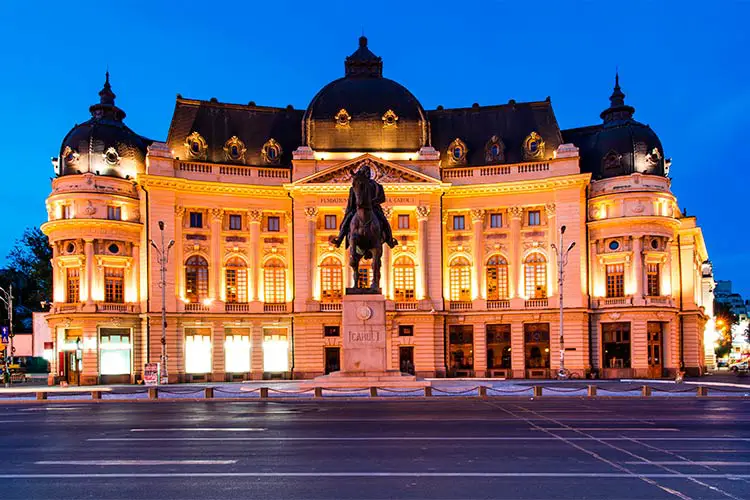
(476, 197)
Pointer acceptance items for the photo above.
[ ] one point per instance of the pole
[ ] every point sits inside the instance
(163, 253)
(7, 299)
(560, 264)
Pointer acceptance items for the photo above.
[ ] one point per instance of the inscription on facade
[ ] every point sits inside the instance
(333, 201)
(364, 337)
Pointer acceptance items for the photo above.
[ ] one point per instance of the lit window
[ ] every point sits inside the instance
(460, 280)
(331, 331)
(403, 280)
(237, 353)
(461, 347)
(197, 350)
(235, 222)
(534, 218)
(72, 292)
(274, 223)
(114, 351)
(196, 279)
(497, 278)
(114, 213)
(271, 152)
(113, 283)
(236, 281)
(403, 221)
(616, 345)
(615, 280)
(330, 222)
(234, 149)
(652, 275)
(405, 330)
(275, 350)
(331, 281)
(496, 220)
(274, 282)
(196, 219)
(535, 268)
(458, 222)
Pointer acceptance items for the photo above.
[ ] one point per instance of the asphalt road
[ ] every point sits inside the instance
(498, 448)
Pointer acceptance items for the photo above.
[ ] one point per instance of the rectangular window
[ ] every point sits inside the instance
(535, 218)
(274, 223)
(461, 348)
(66, 212)
(405, 330)
(114, 213)
(496, 220)
(536, 345)
(615, 280)
(331, 331)
(458, 223)
(113, 284)
(72, 292)
(197, 350)
(114, 351)
(235, 222)
(498, 346)
(330, 221)
(403, 221)
(196, 219)
(275, 350)
(616, 345)
(652, 277)
(237, 352)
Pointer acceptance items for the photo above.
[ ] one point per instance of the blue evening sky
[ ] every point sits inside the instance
(683, 65)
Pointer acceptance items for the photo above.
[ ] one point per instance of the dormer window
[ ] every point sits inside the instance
(390, 119)
(495, 150)
(342, 119)
(457, 152)
(70, 155)
(111, 156)
(533, 146)
(234, 149)
(271, 152)
(195, 145)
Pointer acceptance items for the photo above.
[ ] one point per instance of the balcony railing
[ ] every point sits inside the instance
(234, 173)
(615, 301)
(196, 307)
(275, 307)
(536, 303)
(115, 307)
(514, 172)
(231, 307)
(330, 306)
(410, 305)
(67, 307)
(460, 305)
(498, 304)
(665, 301)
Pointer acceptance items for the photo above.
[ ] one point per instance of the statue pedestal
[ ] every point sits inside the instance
(364, 349)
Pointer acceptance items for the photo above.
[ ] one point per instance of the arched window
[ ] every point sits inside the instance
(403, 280)
(274, 282)
(196, 279)
(236, 281)
(331, 280)
(497, 278)
(535, 272)
(460, 279)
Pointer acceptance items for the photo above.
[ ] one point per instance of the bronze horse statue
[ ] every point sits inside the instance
(365, 226)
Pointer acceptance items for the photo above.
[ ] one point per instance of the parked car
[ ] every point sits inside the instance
(739, 366)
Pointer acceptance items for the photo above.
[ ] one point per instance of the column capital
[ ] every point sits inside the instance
(255, 216)
(477, 215)
(311, 213)
(179, 211)
(423, 211)
(388, 212)
(217, 214)
(551, 209)
(516, 212)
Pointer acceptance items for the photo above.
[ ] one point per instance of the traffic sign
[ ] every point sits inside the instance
(4, 334)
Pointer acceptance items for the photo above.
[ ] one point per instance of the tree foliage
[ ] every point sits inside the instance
(723, 313)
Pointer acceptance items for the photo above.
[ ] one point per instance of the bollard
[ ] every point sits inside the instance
(591, 391)
(482, 391)
(537, 391)
(153, 393)
(645, 391)
(373, 392)
(264, 393)
(427, 391)
(318, 392)
(96, 394)
(208, 393)
(702, 391)
(41, 396)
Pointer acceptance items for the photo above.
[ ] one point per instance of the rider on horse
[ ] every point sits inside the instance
(351, 209)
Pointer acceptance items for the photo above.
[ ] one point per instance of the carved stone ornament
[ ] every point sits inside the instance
(364, 313)
(255, 215)
(342, 119)
(111, 157)
(516, 212)
(477, 215)
(70, 156)
(234, 149)
(550, 209)
(384, 174)
(494, 151)
(115, 321)
(615, 316)
(653, 158)
(196, 146)
(638, 208)
(271, 152)
(311, 213)
(179, 211)
(90, 209)
(423, 212)
(533, 147)
(217, 214)
(388, 212)
(457, 152)
(390, 119)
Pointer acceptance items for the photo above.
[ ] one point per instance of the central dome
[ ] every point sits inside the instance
(364, 111)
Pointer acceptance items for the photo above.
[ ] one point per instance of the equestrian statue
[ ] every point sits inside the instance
(365, 226)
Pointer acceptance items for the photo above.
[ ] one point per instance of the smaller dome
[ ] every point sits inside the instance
(622, 145)
(104, 144)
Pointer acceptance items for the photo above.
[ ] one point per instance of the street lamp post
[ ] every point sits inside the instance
(163, 259)
(6, 296)
(562, 260)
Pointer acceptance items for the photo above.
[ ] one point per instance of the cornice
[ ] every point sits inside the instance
(413, 187)
(642, 219)
(551, 183)
(81, 225)
(206, 187)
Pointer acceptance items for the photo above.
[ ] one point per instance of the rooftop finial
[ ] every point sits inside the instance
(617, 110)
(106, 107)
(617, 77)
(363, 62)
(363, 40)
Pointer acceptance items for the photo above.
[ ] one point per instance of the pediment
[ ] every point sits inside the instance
(384, 172)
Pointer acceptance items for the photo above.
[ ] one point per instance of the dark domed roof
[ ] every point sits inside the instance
(366, 98)
(103, 144)
(619, 146)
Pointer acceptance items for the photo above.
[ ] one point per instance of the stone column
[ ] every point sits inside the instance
(254, 218)
(256, 351)
(217, 216)
(666, 272)
(386, 267)
(423, 213)
(515, 281)
(88, 251)
(477, 217)
(638, 267)
(312, 220)
(178, 266)
(552, 237)
(135, 270)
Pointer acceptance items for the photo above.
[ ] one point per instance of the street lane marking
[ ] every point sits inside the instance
(135, 462)
(403, 438)
(371, 474)
(659, 429)
(203, 429)
(693, 462)
(53, 408)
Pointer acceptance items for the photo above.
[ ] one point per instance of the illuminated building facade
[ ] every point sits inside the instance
(476, 197)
